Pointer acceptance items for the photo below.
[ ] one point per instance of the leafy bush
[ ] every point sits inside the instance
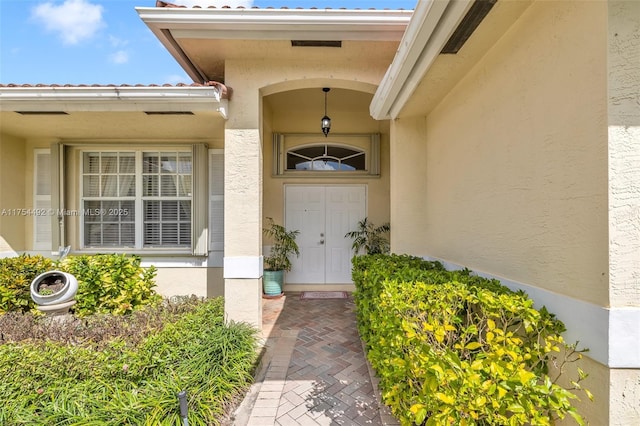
(453, 348)
(114, 378)
(16, 275)
(110, 283)
(370, 237)
(107, 283)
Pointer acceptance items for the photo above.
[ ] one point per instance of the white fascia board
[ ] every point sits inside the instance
(432, 24)
(120, 98)
(277, 24)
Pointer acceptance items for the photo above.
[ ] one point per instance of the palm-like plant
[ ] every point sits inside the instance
(284, 245)
(370, 237)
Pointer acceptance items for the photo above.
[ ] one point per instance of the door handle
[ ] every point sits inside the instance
(321, 242)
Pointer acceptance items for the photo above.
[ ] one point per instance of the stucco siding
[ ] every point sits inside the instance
(408, 179)
(201, 282)
(516, 172)
(13, 211)
(624, 152)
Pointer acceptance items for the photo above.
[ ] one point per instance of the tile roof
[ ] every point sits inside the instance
(160, 3)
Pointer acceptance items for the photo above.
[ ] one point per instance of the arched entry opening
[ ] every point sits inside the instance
(320, 185)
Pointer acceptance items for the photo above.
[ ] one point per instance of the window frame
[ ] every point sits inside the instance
(368, 143)
(139, 198)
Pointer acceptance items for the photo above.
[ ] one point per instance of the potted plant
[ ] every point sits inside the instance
(370, 237)
(278, 262)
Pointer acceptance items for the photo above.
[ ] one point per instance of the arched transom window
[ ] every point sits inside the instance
(326, 157)
(302, 154)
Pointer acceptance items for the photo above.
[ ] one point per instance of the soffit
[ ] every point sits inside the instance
(112, 112)
(202, 39)
(448, 69)
(339, 101)
(101, 125)
(211, 55)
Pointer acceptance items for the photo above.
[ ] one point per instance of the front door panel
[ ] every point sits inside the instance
(323, 214)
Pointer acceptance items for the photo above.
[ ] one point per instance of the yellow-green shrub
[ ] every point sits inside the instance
(453, 348)
(16, 274)
(110, 283)
(107, 283)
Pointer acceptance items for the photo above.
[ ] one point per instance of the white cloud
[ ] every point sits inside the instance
(117, 42)
(73, 20)
(120, 57)
(216, 3)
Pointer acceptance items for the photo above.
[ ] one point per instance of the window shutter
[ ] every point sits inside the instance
(199, 222)
(56, 164)
(216, 203)
(42, 199)
(374, 158)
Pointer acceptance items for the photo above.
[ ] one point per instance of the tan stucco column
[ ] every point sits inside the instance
(408, 185)
(624, 212)
(243, 226)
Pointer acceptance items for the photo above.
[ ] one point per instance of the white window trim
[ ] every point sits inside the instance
(372, 155)
(138, 227)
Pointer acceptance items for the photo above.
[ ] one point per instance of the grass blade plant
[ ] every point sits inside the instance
(131, 380)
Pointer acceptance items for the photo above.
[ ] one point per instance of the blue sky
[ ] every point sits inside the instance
(105, 41)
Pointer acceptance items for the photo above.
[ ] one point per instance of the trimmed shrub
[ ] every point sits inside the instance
(107, 283)
(454, 348)
(110, 283)
(16, 275)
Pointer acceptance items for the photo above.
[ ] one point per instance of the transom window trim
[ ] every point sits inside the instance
(136, 199)
(363, 154)
(326, 157)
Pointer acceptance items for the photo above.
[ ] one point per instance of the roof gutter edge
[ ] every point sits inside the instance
(432, 24)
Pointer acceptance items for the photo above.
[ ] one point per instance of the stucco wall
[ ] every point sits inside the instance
(12, 216)
(408, 178)
(202, 282)
(531, 176)
(624, 153)
(515, 180)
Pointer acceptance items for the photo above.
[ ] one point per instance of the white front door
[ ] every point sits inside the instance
(323, 215)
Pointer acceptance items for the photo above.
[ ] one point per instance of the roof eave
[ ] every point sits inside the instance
(169, 24)
(74, 98)
(279, 24)
(432, 24)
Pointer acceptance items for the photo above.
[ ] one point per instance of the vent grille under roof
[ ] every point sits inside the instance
(42, 112)
(316, 43)
(168, 112)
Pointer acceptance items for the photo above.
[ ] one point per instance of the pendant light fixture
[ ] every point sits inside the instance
(326, 121)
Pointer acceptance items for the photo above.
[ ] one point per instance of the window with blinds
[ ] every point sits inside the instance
(136, 199)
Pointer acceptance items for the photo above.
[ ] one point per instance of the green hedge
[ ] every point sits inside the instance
(16, 274)
(107, 283)
(454, 348)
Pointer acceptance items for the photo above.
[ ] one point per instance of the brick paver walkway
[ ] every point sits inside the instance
(313, 371)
